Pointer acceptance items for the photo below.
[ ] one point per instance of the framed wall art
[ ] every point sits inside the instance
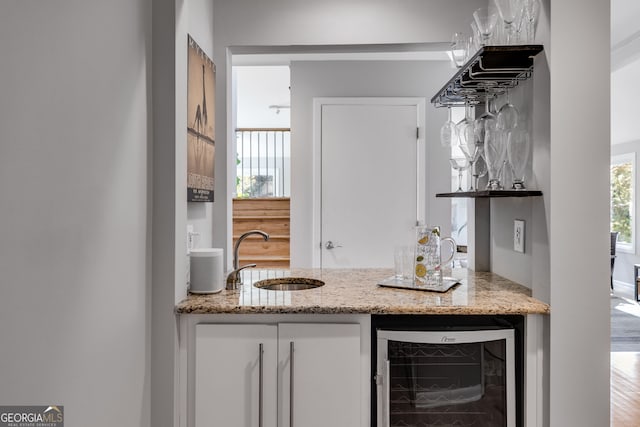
(201, 93)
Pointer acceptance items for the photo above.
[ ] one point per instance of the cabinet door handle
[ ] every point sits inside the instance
(291, 349)
(260, 384)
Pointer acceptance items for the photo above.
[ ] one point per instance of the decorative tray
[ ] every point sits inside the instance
(393, 282)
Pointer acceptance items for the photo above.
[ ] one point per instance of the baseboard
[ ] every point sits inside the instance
(623, 284)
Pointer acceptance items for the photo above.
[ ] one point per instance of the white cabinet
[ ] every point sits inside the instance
(325, 375)
(310, 375)
(228, 368)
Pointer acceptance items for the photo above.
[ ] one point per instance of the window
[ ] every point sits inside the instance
(623, 177)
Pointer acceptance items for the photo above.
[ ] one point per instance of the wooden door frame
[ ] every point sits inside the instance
(318, 103)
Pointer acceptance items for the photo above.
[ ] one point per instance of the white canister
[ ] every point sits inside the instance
(207, 275)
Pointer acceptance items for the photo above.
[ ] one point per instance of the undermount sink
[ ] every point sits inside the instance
(288, 284)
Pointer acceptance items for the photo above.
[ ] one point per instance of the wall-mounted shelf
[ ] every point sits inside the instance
(491, 68)
(492, 193)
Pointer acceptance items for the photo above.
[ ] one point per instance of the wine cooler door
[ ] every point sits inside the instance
(460, 378)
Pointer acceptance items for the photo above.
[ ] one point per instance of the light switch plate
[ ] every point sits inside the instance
(518, 235)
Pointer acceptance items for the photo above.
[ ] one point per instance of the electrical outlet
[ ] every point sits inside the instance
(518, 235)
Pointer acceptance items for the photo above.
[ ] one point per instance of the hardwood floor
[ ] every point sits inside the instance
(625, 389)
(625, 380)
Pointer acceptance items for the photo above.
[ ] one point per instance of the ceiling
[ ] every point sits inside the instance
(625, 32)
(625, 20)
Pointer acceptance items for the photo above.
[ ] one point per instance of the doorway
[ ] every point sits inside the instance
(263, 164)
(350, 73)
(371, 173)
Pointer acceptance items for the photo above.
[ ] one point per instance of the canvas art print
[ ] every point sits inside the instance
(200, 125)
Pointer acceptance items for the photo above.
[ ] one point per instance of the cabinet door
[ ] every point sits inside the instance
(319, 368)
(228, 367)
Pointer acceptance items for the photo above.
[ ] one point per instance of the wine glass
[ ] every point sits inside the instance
(479, 169)
(507, 116)
(448, 131)
(460, 164)
(486, 21)
(464, 128)
(510, 12)
(474, 40)
(518, 148)
(471, 153)
(494, 155)
(470, 146)
(518, 26)
(488, 119)
(531, 9)
(459, 48)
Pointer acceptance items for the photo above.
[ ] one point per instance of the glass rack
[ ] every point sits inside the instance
(492, 69)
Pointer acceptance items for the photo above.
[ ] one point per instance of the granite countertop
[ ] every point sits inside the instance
(355, 291)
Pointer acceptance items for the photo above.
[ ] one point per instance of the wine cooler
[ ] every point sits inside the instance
(446, 378)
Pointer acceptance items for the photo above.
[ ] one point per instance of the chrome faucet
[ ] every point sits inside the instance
(233, 279)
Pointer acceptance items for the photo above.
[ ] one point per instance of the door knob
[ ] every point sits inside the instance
(329, 245)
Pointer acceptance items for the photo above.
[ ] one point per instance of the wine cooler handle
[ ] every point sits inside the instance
(291, 349)
(260, 385)
(387, 398)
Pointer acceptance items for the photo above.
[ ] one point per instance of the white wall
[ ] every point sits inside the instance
(579, 220)
(624, 93)
(530, 268)
(172, 20)
(310, 79)
(74, 146)
(287, 22)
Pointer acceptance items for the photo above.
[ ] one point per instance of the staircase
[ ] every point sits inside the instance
(270, 215)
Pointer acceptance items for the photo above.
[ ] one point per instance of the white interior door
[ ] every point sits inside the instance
(371, 178)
